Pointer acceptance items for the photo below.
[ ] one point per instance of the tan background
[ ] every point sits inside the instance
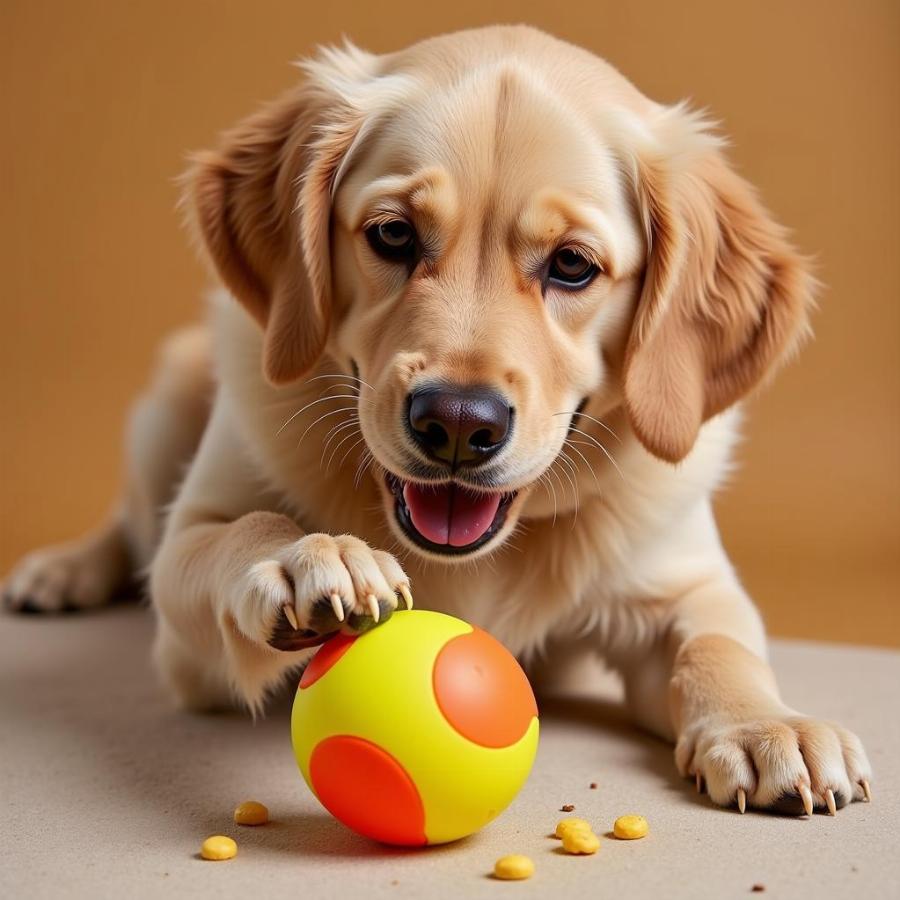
(101, 100)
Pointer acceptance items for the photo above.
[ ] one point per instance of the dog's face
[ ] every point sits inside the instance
(487, 245)
(479, 271)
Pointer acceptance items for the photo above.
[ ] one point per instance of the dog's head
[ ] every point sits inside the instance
(489, 232)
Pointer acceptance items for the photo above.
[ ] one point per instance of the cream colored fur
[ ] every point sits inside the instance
(499, 143)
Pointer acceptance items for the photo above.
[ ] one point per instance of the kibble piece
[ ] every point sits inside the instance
(564, 825)
(580, 841)
(513, 868)
(218, 847)
(567, 807)
(251, 813)
(630, 828)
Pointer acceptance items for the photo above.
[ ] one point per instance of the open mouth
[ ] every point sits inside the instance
(448, 518)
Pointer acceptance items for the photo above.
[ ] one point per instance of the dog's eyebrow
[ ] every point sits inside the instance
(428, 192)
(554, 216)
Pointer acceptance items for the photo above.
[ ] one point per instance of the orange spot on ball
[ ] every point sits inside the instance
(326, 656)
(368, 790)
(482, 690)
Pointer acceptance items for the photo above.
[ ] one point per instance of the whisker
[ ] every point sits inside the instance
(348, 387)
(314, 403)
(338, 446)
(602, 425)
(343, 375)
(333, 412)
(600, 446)
(335, 430)
(349, 450)
(590, 468)
(548, 486)
(588, 416)
(564, 457)
(364, 466)
(552, 471)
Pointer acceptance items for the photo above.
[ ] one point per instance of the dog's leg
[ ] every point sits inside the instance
(708, 686)
(164, 431)
(78, 574)
(242, 592)
(242, 602)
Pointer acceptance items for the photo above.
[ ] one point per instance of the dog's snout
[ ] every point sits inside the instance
(459, 426)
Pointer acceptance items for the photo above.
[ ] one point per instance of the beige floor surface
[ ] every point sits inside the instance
(107, 793)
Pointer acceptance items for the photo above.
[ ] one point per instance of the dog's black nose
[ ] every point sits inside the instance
(459, 426)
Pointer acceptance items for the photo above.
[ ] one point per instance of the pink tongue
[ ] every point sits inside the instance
(449, 514)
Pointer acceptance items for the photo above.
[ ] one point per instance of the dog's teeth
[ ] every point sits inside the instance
(741, 801)
(338, 607)
(806, 796)
(829, 802)
(698, 778)
(372, 603)
(291, 616)
(407, 596)
(866, 790)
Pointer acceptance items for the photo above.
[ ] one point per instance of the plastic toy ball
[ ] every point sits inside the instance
(417, 732)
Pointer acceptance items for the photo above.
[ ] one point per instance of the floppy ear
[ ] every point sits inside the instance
(261, 205)
(725, 295)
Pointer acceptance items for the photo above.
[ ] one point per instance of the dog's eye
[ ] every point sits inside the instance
(394, 240)
(569, 269)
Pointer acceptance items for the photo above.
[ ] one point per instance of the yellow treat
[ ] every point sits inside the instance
(580, 840)
(251, 813)
(630, 828)
(218, 847)
(564, 825)
(513, 868)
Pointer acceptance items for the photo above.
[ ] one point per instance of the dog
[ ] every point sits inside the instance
(486, 317)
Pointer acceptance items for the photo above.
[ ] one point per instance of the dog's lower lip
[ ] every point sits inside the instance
(396, 486)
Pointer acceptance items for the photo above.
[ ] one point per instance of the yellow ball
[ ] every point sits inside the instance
(420, 731)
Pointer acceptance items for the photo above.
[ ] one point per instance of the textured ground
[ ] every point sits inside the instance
(107, 792)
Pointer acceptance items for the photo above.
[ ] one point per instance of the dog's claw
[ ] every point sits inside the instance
(698, 780)
(829, 802)
(337, 606)
(866, 790)
(741, 801)
(291, 616)
(407, 596)
(372, 603)
(806, 797)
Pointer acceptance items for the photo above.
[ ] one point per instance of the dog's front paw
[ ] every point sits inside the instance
(787, 764)
(317, 586)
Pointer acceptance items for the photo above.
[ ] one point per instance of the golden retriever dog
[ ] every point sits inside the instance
(487, 316)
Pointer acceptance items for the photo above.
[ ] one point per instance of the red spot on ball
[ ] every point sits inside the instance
(482, 690)
(368, 790)
(326, 656)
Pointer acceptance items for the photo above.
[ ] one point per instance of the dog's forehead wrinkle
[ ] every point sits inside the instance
(505, 88)
(483, 119)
